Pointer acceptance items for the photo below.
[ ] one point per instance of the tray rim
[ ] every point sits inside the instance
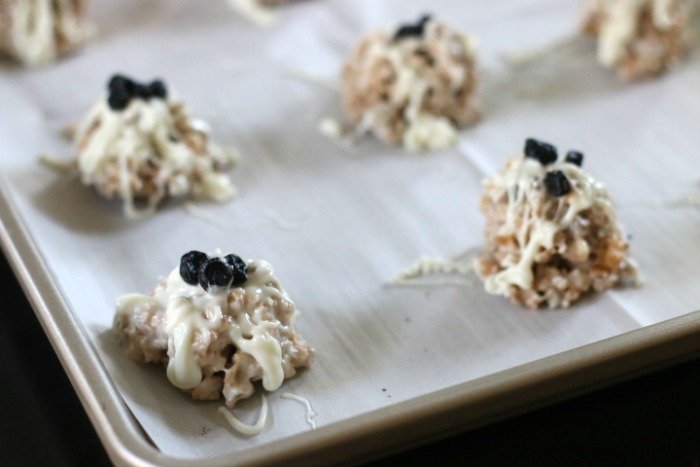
(406, 424)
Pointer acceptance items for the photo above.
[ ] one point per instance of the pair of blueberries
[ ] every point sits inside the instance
(122, 89)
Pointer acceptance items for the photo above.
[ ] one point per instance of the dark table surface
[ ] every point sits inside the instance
(653, 420)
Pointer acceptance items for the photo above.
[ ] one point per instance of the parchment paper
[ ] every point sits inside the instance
(337, 226)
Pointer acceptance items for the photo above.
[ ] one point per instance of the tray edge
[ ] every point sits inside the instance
(417, 421)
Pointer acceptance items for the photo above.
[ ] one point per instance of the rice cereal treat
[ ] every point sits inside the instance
(36, 32)
(638, 38)
(413, 86)
(551, 231)
(218, 324)
(141, 146)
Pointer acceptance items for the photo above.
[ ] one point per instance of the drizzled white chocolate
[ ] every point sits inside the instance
(426, 266)
(638, 38)
(37, 32)
(522, 182)
(310, 414)
(547, 248)
(216, 342)
(256, 11)
(149, 151)
(621, 23)
(412, 90)
(245, 428)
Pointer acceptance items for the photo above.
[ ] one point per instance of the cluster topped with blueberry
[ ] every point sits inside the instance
(546, 154)
(413, 30)
(197, 267)
(123, 89)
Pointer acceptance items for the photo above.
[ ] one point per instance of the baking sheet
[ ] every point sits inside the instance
(335, 225)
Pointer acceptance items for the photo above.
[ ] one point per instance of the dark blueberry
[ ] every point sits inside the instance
(574, 157)
(239, 276)
(141, 91)
(157, 89)
(121, 90)
(190, 263)
(556, 183)
(239, 269)
(412, 30)
(215, 272)
(118, 98)
(235, 261)
(121, 82)
(543, 152)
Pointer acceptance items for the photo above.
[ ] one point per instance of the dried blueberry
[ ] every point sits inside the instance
(157, 89)
(121, 90)
(239, 277)
(190, 264)
(141, 91)
(121, 82)
(235, 261)
(412, 30)
(574, 157)
(543, 152)
(238, 267)
(215, 272)
(556, 183)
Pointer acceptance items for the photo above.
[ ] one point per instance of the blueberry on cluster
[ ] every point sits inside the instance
(238, 267)
(412, 30)
(198, 268)
(574, 157)
(556, 183)
(545, 153)
(122, 89)
(190, 264)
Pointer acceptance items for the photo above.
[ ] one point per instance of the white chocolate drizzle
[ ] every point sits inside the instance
(62, 165)
(143, 131)
(433, 266)
(343, 136)
(197, 211)
(522, 181)
(254, 11)
(191, 310)
(36, 25)
(313, 78)
(244, 428)
(621, 21)
(310, 414)
(424, 130)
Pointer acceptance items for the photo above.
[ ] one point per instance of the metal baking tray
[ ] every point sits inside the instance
(543, 356)
(408, 424)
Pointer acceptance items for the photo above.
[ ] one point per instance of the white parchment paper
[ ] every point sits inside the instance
(335, 225)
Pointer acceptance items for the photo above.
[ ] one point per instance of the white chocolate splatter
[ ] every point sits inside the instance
(430, 267)
(254, 11)
(310, 414)
(244, 428)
